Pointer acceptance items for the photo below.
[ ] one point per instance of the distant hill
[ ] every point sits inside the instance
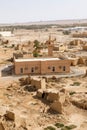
(60, 22)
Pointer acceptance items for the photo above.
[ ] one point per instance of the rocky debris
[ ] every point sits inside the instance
(23, 124)
(39, 93)
(5, 42)
(76, 42)
(14, 88)
(39, 83)
(63, 90)
(57, 99)
(57, 106)
(80, 35)
(9, 122)
(82, 60)
(23, 81)
(80, 103)
(10, 115)
(52, 96)
(6, 122)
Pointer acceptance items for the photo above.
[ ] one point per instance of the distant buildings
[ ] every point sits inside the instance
(6, 33)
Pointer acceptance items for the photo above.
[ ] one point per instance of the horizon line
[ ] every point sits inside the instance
(41, 21)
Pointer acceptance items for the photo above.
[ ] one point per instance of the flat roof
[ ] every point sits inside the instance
(36, 59)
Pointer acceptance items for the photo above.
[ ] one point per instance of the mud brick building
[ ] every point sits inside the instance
(41, 66)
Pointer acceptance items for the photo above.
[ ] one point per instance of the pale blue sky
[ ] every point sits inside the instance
(12, 11)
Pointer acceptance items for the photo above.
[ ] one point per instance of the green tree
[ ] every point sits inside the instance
(35, 54)
(36, 43)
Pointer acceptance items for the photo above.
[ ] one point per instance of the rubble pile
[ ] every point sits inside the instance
(81, 103)
(8, 122)
(38, 83)
(80, 35)
(76, 42)
(56, 99)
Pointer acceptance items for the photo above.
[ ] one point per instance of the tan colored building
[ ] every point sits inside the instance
(54, 47)
(41, 66)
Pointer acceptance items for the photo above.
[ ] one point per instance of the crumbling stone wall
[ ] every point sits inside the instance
(38, 83)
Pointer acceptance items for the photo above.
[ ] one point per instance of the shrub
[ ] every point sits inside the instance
(59, 125)
(35, 54)
(64, 128)
(71, 93)
(66, 32)
(49, 128)
(76, 84)
(36, 43)
(70, 127)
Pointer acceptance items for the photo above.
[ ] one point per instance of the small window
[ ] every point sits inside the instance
(53, 68)
(64, 68)
(21, 70)
(32, 69)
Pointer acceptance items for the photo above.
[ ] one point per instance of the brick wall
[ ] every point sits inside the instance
(42, 67)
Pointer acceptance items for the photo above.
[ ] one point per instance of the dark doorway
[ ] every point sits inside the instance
(21, 70)
(64, 68)
(53, 68)
(32, 70)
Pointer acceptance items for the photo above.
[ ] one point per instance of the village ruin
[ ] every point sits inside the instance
(43, 78)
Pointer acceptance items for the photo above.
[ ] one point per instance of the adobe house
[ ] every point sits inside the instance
(56, 47)
(60, 47)
(41, 66)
